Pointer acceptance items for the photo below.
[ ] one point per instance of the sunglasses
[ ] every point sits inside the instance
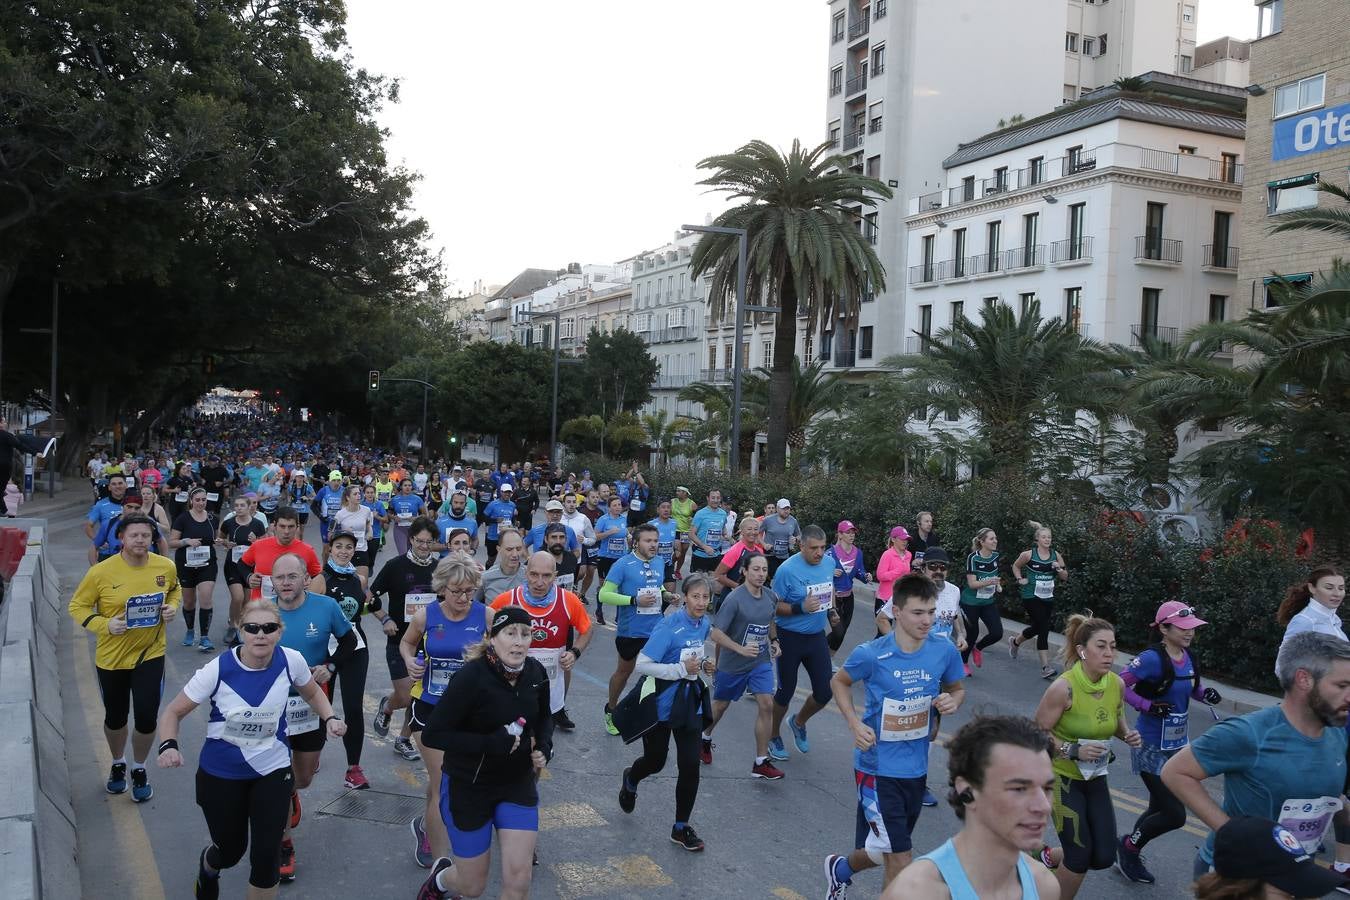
(261, 627)
(1182, 613)
(936, 567)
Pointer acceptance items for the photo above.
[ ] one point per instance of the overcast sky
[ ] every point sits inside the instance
(552, 132)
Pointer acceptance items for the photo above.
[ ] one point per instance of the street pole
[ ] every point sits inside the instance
(553, 427)
(423, 454)
(51, 422)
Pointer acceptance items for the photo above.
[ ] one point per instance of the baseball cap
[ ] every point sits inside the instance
(784, 503)
(846, 525)
(1253, 847)
(457, 469)
(506, 486)
(899, 532)
(342, 534)
(553, 506)
(335, 475)
(936, 555)
(1174, 612)
(459, 492)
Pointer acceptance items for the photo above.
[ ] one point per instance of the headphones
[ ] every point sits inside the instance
(965, 797)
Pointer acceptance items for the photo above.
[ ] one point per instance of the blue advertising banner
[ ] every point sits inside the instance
(1312, 132)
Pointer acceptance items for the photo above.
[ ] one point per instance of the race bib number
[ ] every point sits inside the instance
(666, 550)
(1309, 819)
(985, 592)
(1173, 731)
(503, 523)
(143, 610)
(439, 672)
(780, 547)
(269, 591)
(756, 637)
(196, 557)
(566, 581)
(1045, 588)
(648, 593)
(181, 496)
(551, 659)
(904, 720)
(131, 481)
(824, 592)
(300, 718)
(617, 543)
(252, 727)
(405, 519)
(1098, 767)
(237, 553)
(413, 602)
(688, 653)
(212, 498)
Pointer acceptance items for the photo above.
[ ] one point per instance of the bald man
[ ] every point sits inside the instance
(561, 628)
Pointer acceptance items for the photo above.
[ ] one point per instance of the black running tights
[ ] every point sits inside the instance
(351, 683)
(993, 626)
(655, 747)
(236, 807)
(1165, 812)
(843, 606)
(1039, 612)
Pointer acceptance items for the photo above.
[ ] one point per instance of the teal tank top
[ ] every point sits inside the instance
(949, 867)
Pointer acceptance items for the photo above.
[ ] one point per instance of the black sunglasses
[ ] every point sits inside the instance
(261, 627)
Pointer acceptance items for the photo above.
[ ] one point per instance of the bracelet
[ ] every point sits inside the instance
(323, 723)
(167, 744)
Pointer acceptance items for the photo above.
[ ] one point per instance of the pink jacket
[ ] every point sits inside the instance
(893, 565)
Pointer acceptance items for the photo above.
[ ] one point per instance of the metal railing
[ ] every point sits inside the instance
(1071, 250)
(834, 140)
(1226, 171)
(1162, 333)
(870, 235)
(996, 185)
(859, 28)
(985, 263)
(1220, 257)
(844, 359)
(1157, 249)
(836, 88)
(1028, 257)
(915, 344)
(854, 138)
(874, 127)
(930, 201)
(715, 376)
(855, 84)
(926, 273)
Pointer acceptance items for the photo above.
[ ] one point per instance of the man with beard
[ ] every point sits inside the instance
(214, 478)
(1286, 762)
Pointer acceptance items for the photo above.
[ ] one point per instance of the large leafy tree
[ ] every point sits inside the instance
(618, 371)
(806, 250)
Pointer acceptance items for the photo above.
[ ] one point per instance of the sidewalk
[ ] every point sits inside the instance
(73, 494)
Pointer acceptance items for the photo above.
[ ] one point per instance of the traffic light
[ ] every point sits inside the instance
(374, 379)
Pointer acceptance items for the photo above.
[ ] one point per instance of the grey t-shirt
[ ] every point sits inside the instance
(745, 620)
(495, 582)
(778, 535)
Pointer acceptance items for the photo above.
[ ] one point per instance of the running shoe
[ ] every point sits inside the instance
(837, 890)
(977, 657)
(1130, 862)
(232, 637)
(627, 798)
(189, 639)
(777, 749)
(205, 645)
(767, 771)
(609, 721)
(355, 779)
(423, 852)
(429, 890)
(1047, 856)
(287, 859)
(1013, 646)
(295, 809)
(117, 778)
(1048, 672)
(705, 751)
(928, 799)
(141, 790)
(799, 735)
(208, 885)
(404, 747)
(966, 666)
(562, 720)
(382, 715)
(687, 839)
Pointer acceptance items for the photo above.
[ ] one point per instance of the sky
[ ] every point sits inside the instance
(553, 132)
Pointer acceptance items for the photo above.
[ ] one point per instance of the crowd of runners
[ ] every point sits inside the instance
(707, 605)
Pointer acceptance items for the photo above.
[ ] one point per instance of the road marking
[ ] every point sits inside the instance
(618, 873)
(787, 894)
(128, 827)
(410, 778)
(569, 815)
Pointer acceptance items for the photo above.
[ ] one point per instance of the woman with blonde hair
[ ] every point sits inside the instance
(1037, 570)
(982, 582)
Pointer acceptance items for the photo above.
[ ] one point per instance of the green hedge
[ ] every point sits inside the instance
(1119, 568)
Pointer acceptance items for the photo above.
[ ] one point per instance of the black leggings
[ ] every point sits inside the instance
(1039, 612)
(993, 625)
(655, 747)
(234, 807)
(137, 689)
(1088, 832)
(844, 606)
(351, 683)
(1165, 812)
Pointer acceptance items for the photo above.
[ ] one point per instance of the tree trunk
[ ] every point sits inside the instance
(780, 379)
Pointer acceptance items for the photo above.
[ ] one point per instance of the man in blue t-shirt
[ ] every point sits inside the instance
(634, 585)
(910, 677)
(1283, 763)
(708, 534)
(458, 517)
(404, 506)
(498, 514)
(553, 514)
(804, 584)
(96, 526)
(665, 540)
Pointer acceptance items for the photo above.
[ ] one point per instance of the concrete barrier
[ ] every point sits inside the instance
(37, 822)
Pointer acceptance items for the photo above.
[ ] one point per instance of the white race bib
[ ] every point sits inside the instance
(824, 592)
(268, 591)
(212, 498)
(439, 674)
(904, 720)
(413, 602)
(196, 557)
(1091, 770)
(252, 726)
(1044, 588)
(644, 594)
(237, 553)
(1308, 819)
(1173, 731)
(985, 592)
(300, 718)
(550, 658)
(405, 519)
(143, 610)
(181, 496)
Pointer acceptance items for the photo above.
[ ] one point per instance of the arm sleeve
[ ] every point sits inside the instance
(609, 593)
(202, 684)
(174, 595)
(859, 663)
(84, 606)
(312, 562)
(730, 558)
(1144, 667)
(645, 665)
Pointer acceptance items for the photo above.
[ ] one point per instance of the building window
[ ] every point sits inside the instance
(1297, 96)
(834, 134)
(989, 304)
(1031, 230)
(1001, 179)
(958, 311)
(968, 188)
(826, 344)
(1025, 302)
(1186, 64)
(1148, 312)
(836, 80)
(1218, 304)
(865, 342)
(1101, 45)
(878, 59)
(1187, 13)
(926, 320)
(1269, 18)
(766, 349)
(1089, 46)
(874, 164)
(838, 33)
(1071, 42)
(1036, 170)
(1278, 287)
(728, 357)
(1185, 150)
(879, 9)
(808, 344)
(874, 115)
(1073, 309)
(959, 253)
(927, 244)
(993, 232)
(1292, 193)
(1077, 215)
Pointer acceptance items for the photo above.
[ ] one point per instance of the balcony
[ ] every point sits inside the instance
(859, 28)
(1161, 333)
(929, 201)
(925, 274)
(985, 263)
(1220, 257)
(856, 85)
(1071, 251)
(497, 310)
(715, 376)
(854, 139)
(673, 382)
(915, 344)
(996, 185)
(1226, 170)
(874, 127)
(1152, 249)
(1029, 257)
(845, 359)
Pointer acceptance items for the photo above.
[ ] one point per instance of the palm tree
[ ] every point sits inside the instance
(1018, 377)
(713, 431)
(1330, 219)
(806, 250)
(664, 435)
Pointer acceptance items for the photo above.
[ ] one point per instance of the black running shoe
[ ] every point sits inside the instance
(563, 721)
(208, 885)
(686, 838)
(1131, 864)
(627, 798)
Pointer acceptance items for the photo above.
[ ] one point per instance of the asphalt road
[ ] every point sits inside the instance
(763, 839)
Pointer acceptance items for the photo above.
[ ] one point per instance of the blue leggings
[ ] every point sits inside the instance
(810, 650)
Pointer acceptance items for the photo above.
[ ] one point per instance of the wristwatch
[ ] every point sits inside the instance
(1069, 750)
(332, 669)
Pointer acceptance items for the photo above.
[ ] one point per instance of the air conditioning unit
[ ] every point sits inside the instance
(1161, 499)
(1178, 529)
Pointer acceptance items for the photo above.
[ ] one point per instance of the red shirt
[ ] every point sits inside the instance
(550, 625)
(262, 553)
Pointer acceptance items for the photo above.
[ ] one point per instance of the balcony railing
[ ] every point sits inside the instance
(1151, 248)
(844, 359)
(914, 344)
(837, 36)
(1221, 257)
(856, 84)
(859, 28)
(1029, 257)
(1225, 170)
(854, 138)
(1071, 250)
(985, 263)
(995, 185)
(715, 376)
(870, 235)
(836, 88)
(874, 127)
(673, 382)
(834, 140)
(926, 273)
(1161, 333)
(930, 201)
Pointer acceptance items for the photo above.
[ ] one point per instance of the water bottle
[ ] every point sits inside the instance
(516, 728)
(422, 658)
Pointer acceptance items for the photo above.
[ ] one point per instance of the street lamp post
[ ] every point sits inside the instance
(425, 389)
(556, 316)
(734, 457)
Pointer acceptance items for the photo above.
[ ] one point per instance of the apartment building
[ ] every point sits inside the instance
(1298, 131)
(1118, 214)
(538, 290)
(909, 80)
(599, 307)
(669, 308)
